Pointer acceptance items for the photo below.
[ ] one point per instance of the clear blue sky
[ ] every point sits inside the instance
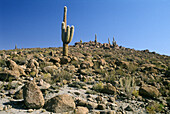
(138, 24)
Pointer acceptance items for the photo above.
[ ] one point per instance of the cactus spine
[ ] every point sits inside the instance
(67, 33)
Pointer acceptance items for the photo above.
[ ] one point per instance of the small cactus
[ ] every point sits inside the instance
(15, 46)
(114, 42)
(95, 39)
(67, 33)
(109, 41)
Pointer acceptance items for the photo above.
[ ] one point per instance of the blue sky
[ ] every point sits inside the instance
(138, 24)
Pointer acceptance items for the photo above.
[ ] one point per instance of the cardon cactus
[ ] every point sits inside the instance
(67, 33)
(95, 39)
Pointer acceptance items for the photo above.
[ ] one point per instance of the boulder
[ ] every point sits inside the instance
(148, 91)
(33, 97)
(81, 110)
(109, 89)
(60, 103)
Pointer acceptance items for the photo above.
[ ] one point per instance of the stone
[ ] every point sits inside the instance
(19, 94)
(33, 97)
(109, 89)
(81, 110)
(50, 69)
(60, 103)
(43, 84)
(129, 108)
(149, 91)
(55, 60)
(65, 60)
(81, 102)
(101, 106)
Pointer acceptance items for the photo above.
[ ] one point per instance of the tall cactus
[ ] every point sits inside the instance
(67, 33)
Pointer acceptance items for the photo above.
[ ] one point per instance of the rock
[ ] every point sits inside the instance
(102, 62)
(129, 108)
(101, 106)
(112, 99)
(81, 102)
(55, 60)
(109, 89)
(43, 84)
(33, 97)
(60, 103)
(9, 74)
(19, 94)
(81, 110)
(148, 91)
(50, 69)
(91, 105)
(65, 60)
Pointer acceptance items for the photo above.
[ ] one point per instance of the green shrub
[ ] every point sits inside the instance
(110, 77)
(128, 83)
(61, 75)
(98, 87)
(152, 108)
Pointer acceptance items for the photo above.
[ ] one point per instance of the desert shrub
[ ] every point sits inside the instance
(153, 107)
(32, 73)
(77, 84)
(110, 77)
(2, 63)
(61, 75)
(132, 67)
(98, 87)
(135, 93)
(75, 63)
(128, 83)
(120, 72)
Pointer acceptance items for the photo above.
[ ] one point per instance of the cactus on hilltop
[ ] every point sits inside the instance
(67, 33)
(109, 41)
(114, 42)
(95, 39)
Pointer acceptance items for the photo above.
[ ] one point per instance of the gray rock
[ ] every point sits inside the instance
(33, 97)
(60, 103)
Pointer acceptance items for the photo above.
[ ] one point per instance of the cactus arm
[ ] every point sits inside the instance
(65, 17)
(63, 31)
(71, 34)
(66, 39)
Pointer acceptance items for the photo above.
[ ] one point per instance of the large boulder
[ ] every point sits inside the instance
(33, 97)
(148, 91)
(60, 103)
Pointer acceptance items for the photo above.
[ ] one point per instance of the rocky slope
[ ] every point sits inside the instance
(94, 78)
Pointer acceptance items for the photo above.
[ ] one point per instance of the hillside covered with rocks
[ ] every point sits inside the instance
(93, 78)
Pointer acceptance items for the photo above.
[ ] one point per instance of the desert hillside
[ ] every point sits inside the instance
(93, 78)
